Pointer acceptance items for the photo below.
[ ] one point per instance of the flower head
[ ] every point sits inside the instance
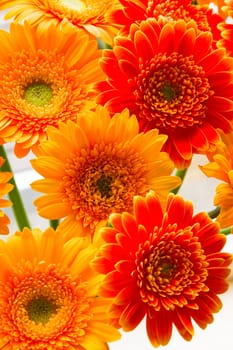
(221, 168)
(165, 264)
(49, 294)
(45, 78)
(5, 188)
(136, 11)
(227, 29)
(170, 77)
(91, 16)
(104, 162)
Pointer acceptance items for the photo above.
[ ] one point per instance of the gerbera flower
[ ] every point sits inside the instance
(45, 78)
(218, 3)
(104, 162)
(92, 16)
(221, 168)
(227, 29)
(171, 78)
(136, 11)
(226, 37)
(5, 188)
(49, 294)
(165, 264)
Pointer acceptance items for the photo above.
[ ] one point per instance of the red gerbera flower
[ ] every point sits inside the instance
(165, 264)
(170, 77)
(133, 11)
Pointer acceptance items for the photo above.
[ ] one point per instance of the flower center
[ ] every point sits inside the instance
(102, 181)
(103, 184)
(40, 309)
(167, 269)
(38, 94)
(172, 92)
(168, 92)
(73, 4)
(174, 10)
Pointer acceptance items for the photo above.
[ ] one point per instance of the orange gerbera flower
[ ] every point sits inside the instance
(48, 294)
(171, 78)
(136, 11)
(45, 78)
(166, 265)
(104, 162)
(221, 167)
(91, 16)
(227, 29)
(5, 188)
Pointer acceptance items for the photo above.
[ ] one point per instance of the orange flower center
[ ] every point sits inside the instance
(103, 180)
(40, 90)
(172, 91)
(41, 307)
(169, 273)
(174, 10)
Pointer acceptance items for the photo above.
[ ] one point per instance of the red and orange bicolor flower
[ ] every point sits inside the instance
(164, 263)
(171, 78)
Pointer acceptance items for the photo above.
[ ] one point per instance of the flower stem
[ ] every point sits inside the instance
(15, 197)
(227, 231)
(214, 213)
(181, 174)
(54, 223)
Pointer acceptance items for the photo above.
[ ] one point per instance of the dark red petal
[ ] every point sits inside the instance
(132, 315)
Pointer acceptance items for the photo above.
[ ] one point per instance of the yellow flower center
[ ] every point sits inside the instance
(38, 94)
(79, 12)
(172, 91)
(41, 309)
(103, 180)
(73, 4)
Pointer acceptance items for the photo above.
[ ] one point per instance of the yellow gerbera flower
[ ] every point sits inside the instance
(103, 163)
(49, 294)
(221, 168)
(91, 16)
(45, 78)
(5, 188)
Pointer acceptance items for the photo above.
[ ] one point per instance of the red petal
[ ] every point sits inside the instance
(159, 327)
(143, 46)
(183, 146)
(167, 39)
(132, 316)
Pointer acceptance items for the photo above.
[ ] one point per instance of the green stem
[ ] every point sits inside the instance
(181, 174)
(14, 195)
(54, 223)
(214, 213)
(227, 231)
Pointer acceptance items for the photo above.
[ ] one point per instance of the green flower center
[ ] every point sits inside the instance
(38, 94)
(104, 186)
(41, 309)
(169, 93)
